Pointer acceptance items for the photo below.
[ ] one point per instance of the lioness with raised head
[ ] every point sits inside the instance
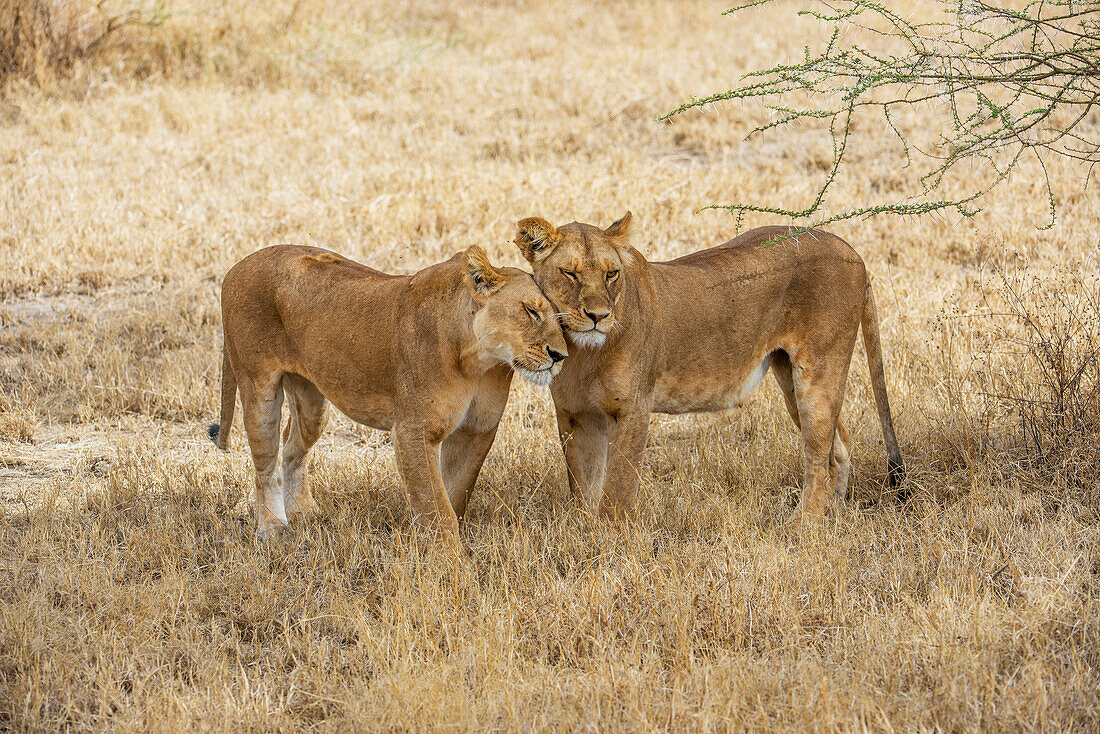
(698, 334)
(429, 356)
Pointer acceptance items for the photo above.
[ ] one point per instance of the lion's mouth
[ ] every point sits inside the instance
(592, 338)
(540, 377)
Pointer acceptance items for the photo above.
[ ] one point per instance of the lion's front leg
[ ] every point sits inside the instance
(418, 464)
(584, 438)
(462, 454)
(628, 438)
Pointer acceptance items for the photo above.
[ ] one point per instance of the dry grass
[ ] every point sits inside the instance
(132, 596)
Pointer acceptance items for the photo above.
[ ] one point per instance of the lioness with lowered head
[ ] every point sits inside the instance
(429, 356)
(698, 334)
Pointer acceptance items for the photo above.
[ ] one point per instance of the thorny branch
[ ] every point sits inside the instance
(1016, 84)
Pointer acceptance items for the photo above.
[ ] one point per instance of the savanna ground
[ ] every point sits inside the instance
(132, 593)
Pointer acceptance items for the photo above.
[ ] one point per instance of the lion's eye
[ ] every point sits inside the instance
(611, 276)
(571, 275)
(532, 313)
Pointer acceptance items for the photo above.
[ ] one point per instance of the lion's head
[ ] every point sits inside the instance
(515, 322)
(580, 268)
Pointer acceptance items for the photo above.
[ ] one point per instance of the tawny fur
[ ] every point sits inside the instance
(427, 356)
(698, 334)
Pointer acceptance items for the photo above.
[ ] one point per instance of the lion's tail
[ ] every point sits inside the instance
(219, 432)
(895, 466)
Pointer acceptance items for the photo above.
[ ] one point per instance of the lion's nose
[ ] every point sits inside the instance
(597, 316)
(555, 355)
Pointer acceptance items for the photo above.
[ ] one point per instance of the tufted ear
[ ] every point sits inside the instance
(481, 277)
(535, 238)
(621, 228)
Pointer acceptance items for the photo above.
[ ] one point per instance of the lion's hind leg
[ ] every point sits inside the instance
(262, 404)
(839, 458)
(307, 420)
(819, 391)
(781, 368)
(840, 465)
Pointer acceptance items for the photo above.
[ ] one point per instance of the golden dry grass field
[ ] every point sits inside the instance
(133, 596)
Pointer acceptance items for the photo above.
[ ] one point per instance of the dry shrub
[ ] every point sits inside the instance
(53, 44)
(1018, 357)
(39, 38)
(1046, 375)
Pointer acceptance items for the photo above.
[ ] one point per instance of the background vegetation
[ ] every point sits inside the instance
(136, 169)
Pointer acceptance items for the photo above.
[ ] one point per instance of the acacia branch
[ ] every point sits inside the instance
(1006, 76)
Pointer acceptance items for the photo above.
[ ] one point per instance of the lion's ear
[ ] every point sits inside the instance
(481, 277)
(620, 228)
(535, 238)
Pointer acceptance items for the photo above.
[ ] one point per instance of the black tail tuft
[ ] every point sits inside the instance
(212, 431)
(895, 472)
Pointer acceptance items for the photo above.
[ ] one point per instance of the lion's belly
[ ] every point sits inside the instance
(377, 414)
(358, 384)
(684, 391)
(357, 400)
